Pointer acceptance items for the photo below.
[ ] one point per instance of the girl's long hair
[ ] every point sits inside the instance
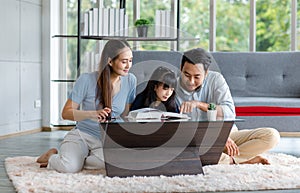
(111, 51)
(167, 78)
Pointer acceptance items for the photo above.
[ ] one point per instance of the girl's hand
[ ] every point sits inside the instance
(103, 114)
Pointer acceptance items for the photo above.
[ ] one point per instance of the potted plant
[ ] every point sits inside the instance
(212, 112)
(142, 26)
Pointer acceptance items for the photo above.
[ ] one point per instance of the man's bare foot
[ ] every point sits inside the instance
(257, 160)
(43, 159)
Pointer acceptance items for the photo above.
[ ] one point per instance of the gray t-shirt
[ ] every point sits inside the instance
(84, 93)
(214, 90)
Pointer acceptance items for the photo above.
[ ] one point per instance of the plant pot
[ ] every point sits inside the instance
(142, 31)
(212, 115)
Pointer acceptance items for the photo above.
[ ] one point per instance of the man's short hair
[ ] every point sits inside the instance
(197, 56)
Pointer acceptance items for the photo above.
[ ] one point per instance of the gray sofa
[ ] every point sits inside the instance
(265, 85)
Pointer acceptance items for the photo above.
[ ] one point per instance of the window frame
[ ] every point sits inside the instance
(252, 35)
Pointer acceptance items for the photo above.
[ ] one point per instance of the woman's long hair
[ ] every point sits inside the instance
(111, 51)
(167, 78)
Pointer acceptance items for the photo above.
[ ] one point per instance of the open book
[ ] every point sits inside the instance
(150, 113)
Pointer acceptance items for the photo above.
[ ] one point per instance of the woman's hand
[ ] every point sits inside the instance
(72, 112)
(103, 114)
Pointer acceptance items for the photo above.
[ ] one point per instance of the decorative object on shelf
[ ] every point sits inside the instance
(212, 112)
(142, 26)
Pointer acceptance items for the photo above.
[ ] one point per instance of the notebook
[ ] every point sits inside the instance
(150, 113)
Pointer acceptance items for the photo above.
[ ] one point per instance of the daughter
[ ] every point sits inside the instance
(159, 92)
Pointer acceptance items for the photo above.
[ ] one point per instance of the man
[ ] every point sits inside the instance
(198, 87)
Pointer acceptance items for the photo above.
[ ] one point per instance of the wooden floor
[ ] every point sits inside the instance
(35, 144)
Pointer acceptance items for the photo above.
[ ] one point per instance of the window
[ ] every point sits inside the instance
(232, 26)
(225, 25)
(194, 23)
(297, 27)
(273, 25)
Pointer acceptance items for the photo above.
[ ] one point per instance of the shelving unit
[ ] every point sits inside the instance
(175, 7)
(128, 38)
(123, 5)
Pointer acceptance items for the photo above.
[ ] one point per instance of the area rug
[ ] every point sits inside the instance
(283, 173)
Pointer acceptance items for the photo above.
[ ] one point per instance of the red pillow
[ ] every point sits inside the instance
(266, 111)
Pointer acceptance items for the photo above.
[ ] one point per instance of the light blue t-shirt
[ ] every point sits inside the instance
(84, 93)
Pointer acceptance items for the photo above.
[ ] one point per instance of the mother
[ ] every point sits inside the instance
(95, 96)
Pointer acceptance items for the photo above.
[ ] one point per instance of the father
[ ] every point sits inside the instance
(198, 87)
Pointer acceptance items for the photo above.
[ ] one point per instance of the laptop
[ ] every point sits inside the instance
(162, 147)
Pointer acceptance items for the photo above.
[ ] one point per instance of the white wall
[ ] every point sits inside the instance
(20, 65)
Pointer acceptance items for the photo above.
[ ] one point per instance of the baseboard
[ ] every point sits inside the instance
(43, 129)
(21, 133)
(64, 128)
(47, 129)
(289, 134)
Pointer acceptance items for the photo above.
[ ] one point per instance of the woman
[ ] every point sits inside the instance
(95, 97)
(159, 92)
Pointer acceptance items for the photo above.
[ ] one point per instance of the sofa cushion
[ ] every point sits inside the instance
(171, 57)
(281, 123)
(261, 74)
(267, 101)
(267, 106)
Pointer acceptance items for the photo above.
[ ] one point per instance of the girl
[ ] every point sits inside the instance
(159, 92)
(95, 97)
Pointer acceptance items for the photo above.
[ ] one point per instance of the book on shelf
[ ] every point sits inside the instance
(105, 20)
(112, 20)
(91, 60)
(168, 23)
(95, 21)
(100, 17)
(126, 25)
(101, 21)
(151, 113)
(85, 29)
(162, 23)
(157, 23)
(91, 23)
(122, 26)
(117, 22)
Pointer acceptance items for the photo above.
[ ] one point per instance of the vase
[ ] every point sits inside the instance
(212, 115)
(142, 31)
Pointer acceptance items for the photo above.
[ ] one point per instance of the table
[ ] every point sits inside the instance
(161, 147)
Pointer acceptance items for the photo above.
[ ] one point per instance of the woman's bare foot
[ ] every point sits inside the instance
(43, 159)
(257, 160)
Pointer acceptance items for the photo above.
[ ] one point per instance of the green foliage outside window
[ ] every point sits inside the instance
(273, 25)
